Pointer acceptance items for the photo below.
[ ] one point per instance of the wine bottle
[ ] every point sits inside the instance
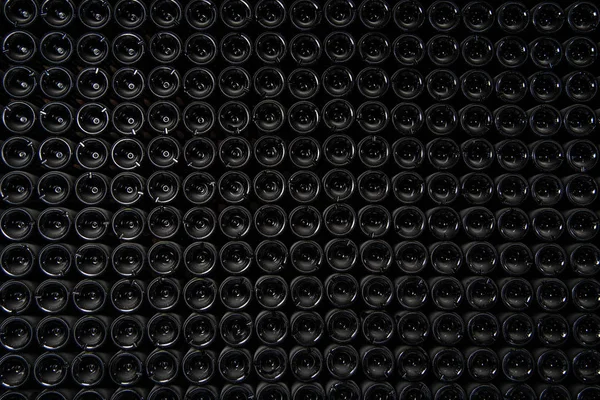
(477, 120)
(445, 257)
(53, 332)
(162, 366)
(377, 362)
(481, 293)
(165, 47)
(477, 50)
(374, 48)
(271, 256)
(546, 52)
(90, 332)
(271, 291)
(93, 48)
(447, 293)
(51, 369)
(164, 330)
(17, 187)
(377, 327)
(517, 364)
(20, 46)
(518, 329)
(200, 48)
(581, 154)
(411, 256)
(272, 327)
(412, 292)
(56, 47)
(236, 257)
(582, 16)
(230, 392)
(236, 293)
(482, 364)
(200, 294)
(306, 363)
(480, 257)
(200, 258)
(21, 12)
(127, 83)
(95, 14)
(270, 363)
(57, 13)
(307, 327)
(89, 295)
(17, 332)
(52, 295)
(484, 391)
(55, 260)
(408, 15)
(198, 366)
(163, 292)
(580, 189)
(200, 330)
(92, 223)
(127, 331)
(550, 259)
(516, 293)
(19, 117)
(19, 370)
(234, 365)
(87, 369)
(376, 291)
(443, 15)
(166, 13)
(515, 258)
(19, 81)
(443, 223)
(513, 17)
(339, 219)
(126, 368)
(99, 394)
(306, 256)
(339, 184)
(127, 295)
(412, 364)
(445, 391)
(583, 258)
(478, 16)
(128, 48)
(483, 329)
(235, 48)
(130, 14)
(270, 14)
(342, 325)
(339, 13)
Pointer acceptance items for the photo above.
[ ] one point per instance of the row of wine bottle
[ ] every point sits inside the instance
(306, 328)
(235, 152)
(268, 116)
(272, 256)
(57, 47)
(129, 188)
(304, 292)
(271, 364)
(333, 390)
(127, 83)
(408, 15)
(304, 222)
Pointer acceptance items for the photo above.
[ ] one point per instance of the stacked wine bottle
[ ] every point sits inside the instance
(299, 200)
